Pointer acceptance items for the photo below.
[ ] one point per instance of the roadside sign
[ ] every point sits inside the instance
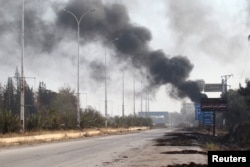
(207, 118)
(213, 104)
(213, 87)
(197, 111)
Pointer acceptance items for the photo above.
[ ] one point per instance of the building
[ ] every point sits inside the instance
(158, 117)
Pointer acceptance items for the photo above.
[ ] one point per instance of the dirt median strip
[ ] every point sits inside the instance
(63, 135)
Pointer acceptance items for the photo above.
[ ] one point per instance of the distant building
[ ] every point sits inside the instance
(188, 114)
(158, 117)
(187, 108)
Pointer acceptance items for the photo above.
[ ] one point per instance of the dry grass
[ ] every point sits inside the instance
(212, 147)
(37, 137)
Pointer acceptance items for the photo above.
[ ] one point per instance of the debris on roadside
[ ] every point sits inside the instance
(191, 164)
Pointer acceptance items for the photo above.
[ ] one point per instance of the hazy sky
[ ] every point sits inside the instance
(195, 39)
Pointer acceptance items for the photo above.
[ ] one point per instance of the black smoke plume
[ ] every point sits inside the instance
(40, 35)
(110, 21)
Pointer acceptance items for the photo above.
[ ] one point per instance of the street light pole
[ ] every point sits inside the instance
(141, 95)
(106, 101)
(86, 99)
(22, 116)
(78, 21)
(122, 93)
(134, 93)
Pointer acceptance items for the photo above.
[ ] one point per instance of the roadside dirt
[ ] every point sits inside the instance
(181, 148)
(48, 136)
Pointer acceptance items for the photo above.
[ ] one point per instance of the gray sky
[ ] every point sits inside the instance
(210, 35)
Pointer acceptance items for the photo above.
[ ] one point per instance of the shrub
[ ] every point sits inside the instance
(91, 118)
(9, 122)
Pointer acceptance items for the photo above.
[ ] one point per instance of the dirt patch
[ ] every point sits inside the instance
(185, 152)
(176, 149)
(192, 164)
(196, 138)
(178, 139)
(179, 148)
(193, 137)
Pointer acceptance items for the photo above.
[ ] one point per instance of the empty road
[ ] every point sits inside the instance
(93, 151)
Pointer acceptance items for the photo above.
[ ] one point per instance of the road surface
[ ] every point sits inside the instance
(92, 152)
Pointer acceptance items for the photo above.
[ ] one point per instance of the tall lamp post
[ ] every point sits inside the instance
(78, 21)
(122, 93)
(106, 101)
(134, 93)
(22, 116)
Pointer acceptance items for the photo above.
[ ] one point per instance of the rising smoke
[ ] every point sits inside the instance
(109, 21)
(41, 36)
(197, 22)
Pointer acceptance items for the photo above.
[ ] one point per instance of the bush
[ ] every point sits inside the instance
(9, 122)
(32, 122)
(91, 118)
(50, 120)
(130, 121)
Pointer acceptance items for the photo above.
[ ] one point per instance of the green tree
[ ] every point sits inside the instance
(92, 118)
(1, 97)
(9, 101)
(44, 97)
(130, 121)
(245, 92)
(51, 120)
(17, 93)
(29, 101)
(65, 104)
(237, 109)
(9, 122)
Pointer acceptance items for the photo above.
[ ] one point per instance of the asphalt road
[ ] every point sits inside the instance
(92, 152)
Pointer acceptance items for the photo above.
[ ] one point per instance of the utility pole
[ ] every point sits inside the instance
(146, 101)
(122, 93)
(78, 21)
(224, 79)
(106, 96)
(22, 116)
(141, 95)
(134, 93)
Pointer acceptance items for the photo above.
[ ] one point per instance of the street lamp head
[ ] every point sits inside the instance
(114, 40)
(65, 10)
(92, 9)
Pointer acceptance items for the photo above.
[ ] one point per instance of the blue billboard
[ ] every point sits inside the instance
(204, 117)
(197, 111)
